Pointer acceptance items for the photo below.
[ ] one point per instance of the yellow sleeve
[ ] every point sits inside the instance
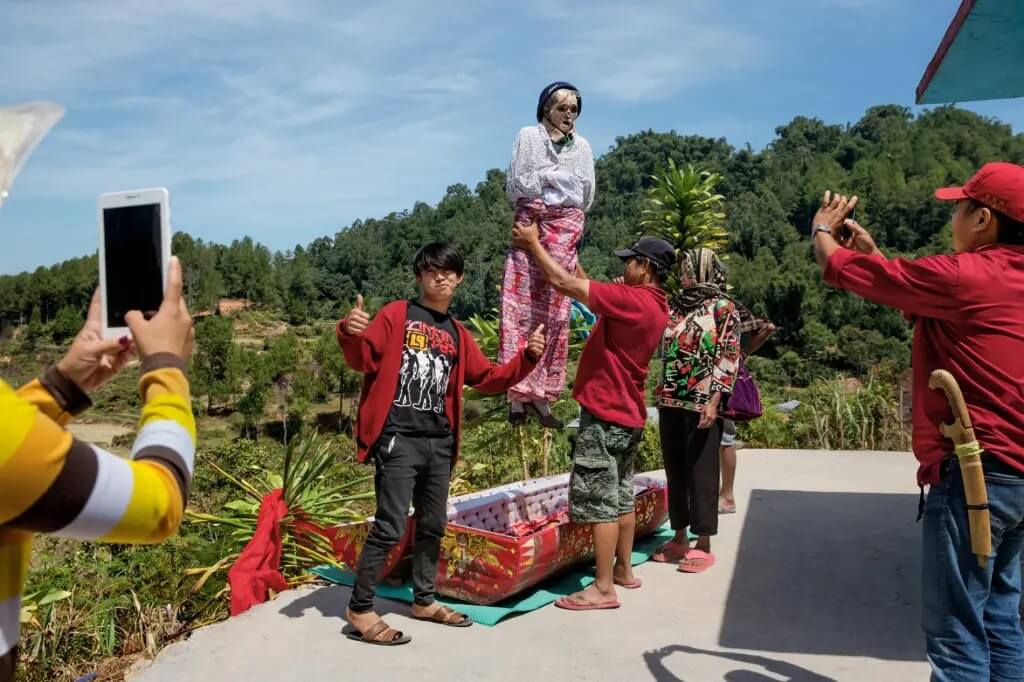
(56, 396)
(53, 483)
(15, 550)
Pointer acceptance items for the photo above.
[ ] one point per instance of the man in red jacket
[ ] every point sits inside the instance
(968, 310)
(610, 390)
(416, 359)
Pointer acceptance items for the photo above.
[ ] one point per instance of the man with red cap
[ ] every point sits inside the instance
(968, 312)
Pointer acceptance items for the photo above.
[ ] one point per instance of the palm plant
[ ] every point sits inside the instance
(314, 501)
(684, 208)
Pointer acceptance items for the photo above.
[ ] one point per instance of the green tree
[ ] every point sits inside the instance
(36, 330)
(66, 324)
(201, 276)
(256, 390)
(215, 363)
(301, 391)
(300, 290)
(335, 377)
(281, 360)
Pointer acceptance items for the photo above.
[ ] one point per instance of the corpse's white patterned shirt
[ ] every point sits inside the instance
(534, 154)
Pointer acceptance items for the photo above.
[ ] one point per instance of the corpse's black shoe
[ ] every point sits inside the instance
(548, 421)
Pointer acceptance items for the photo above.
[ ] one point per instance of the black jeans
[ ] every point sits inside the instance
(410, 469)
(692, 469)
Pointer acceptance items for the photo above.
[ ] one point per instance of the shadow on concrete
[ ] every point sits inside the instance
(827, 573)
(331, 602)
(655, 661)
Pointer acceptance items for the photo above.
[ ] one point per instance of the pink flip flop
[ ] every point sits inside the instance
(569, 605)
(706, 559)
(634, 584)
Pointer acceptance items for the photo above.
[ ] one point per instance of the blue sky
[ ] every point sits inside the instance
(288, 119)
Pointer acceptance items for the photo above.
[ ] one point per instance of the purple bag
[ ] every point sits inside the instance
(744, 403)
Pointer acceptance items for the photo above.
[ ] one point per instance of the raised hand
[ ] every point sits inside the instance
(835, 208)
(535, 344)
(170, 330)
(857, 238)
(92, 361)
(357, 320)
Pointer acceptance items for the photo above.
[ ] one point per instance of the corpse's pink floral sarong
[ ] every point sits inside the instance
(527, 301)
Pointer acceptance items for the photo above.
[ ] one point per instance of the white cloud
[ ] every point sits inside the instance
(251, 85)
(283, 117)
(653, 51)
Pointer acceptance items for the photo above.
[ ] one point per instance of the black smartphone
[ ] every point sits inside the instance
(844, 231)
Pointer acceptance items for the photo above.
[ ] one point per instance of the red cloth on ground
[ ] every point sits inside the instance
(257, 569)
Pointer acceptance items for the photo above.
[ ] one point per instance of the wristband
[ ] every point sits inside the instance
(66, 393)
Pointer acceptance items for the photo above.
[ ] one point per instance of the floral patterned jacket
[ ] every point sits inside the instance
(701, 354)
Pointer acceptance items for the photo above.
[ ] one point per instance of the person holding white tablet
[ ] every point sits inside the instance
(51, 482)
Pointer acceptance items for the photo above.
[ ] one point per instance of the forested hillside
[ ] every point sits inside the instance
(889, 157)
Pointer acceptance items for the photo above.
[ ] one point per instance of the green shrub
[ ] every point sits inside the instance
(772, 430)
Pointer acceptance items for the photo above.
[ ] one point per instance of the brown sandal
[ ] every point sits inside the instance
(447, 616)
(377, 634)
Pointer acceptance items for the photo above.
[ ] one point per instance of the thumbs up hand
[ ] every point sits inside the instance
(357, 320)
(535, 344)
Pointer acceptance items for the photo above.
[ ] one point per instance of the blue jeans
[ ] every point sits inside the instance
(970, 614)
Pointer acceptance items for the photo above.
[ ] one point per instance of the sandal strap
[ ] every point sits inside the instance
(446, 614)
(696, 557)
(373, 632)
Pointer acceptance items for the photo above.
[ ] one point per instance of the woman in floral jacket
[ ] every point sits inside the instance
(701, 352)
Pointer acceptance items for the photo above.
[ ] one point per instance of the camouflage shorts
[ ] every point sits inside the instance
(601, 485)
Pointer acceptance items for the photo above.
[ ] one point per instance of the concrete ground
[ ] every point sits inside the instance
(816, 579)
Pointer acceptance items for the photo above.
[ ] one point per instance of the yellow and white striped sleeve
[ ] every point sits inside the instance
(56, 396)
(15, 550)
(53, 483)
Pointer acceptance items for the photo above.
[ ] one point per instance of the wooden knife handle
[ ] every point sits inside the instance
(942, 380)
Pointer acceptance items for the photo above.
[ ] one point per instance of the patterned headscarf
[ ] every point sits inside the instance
(703, 277)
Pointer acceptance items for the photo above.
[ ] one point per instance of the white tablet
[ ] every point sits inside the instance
(135, 250)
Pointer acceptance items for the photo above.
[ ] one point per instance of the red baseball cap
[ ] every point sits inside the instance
(998, 185)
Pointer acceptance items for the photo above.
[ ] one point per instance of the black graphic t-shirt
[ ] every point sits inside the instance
(428, 357)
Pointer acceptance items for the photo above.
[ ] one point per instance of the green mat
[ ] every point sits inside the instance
(534, 598)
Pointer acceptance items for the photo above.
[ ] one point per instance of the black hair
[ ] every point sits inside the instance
(438, 256)
(660, 273)
(1009, 231)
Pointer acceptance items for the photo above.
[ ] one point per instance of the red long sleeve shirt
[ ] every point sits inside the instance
(969, 320)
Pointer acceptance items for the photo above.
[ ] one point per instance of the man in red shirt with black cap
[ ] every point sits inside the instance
(968, 311)
(609, 387)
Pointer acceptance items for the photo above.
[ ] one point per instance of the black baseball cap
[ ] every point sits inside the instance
(658, 251)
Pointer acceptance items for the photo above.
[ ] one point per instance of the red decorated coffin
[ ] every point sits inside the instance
(503, 540)
(348, 541)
